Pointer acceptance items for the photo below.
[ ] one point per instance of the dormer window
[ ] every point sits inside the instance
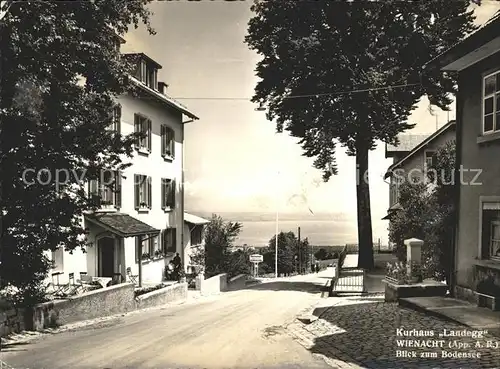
(148, 74)
(146, 69)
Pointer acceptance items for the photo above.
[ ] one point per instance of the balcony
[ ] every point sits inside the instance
(105, 193)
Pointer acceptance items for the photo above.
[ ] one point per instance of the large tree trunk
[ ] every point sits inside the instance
(365, 238)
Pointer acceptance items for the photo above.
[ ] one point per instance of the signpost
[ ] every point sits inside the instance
(255, 259)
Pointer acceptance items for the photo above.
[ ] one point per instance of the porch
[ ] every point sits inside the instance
(113, 257)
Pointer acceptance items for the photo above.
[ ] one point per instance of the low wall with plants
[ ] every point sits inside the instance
(94, 304)
(162, 296)
(118, 299)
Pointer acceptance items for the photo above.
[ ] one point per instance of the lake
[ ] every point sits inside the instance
(319, 232)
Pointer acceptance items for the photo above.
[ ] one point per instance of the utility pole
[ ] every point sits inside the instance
(300, 252)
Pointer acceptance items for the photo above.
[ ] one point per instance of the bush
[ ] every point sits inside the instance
(142, 291)
(428, 214)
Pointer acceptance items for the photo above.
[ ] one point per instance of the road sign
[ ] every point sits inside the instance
(256, 258)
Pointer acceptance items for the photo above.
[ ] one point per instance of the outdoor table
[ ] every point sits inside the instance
(103, 281)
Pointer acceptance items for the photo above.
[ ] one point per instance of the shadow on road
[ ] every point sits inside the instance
(364, 334)
(11, 347)
(300, 286)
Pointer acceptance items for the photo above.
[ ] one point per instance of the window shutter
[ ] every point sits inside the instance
(149, 134)
(118, 123)
(172, 143)
(174, 239)
(163, 148)
(163, 202)
(118, 189)
(94, 194)
(136, 190)
(137, 129)
(150, 203)
(171, 194)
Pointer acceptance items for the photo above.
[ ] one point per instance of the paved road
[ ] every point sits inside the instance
(241, 329)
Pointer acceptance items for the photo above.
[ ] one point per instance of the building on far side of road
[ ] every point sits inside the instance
(476, 62)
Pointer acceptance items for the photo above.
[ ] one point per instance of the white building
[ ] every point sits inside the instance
(142, 218)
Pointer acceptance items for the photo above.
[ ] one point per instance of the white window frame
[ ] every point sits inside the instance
(197, 228)
(142, 195)
(167, 142)
(426, 164)
(487, 203)
(107, 193)
(491, 240)
(168, 189)
(496, 109)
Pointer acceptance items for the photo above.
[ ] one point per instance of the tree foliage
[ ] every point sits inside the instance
(428, 213)
(60, 75)
(326, 68)
(287, 246)
(217, 256)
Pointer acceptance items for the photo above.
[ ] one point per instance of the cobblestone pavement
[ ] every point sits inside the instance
(361, 332)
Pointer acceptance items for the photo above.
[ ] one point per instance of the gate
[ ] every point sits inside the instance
(350, 280)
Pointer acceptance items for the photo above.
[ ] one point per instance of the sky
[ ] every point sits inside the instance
(234, 160)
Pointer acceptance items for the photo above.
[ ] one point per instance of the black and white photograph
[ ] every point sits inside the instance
(249, 184)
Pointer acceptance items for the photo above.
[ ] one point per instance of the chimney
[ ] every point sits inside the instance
(162, 88)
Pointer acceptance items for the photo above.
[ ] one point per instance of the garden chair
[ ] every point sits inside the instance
(56, 287)
(85, 282)
(131, 277)
(117, 278)
(72, 287)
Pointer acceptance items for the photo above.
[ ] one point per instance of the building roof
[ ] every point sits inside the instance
(406, 143)
(416, 149)
(144, 56)
(482, 43)
(193, 219)
(164, 98)
(121, 224)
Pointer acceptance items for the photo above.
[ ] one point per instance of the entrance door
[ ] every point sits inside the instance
(106, 257)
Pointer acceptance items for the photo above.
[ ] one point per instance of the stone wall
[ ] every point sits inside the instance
(175, 292)
(11, 321)
(113, 300)
(213, 285)
(237, 283)
(94, 304)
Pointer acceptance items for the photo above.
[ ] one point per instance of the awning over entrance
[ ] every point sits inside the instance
(123, 225)
(193, 219)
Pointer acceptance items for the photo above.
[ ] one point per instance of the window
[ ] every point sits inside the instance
(142, 125)
(148, 74)
(196, 235)
(167, 141)
(491, 231)
(142, 71)
(167, 193)
(429, 158)
(491, 103)
(57, 259)
(116, 119)
(142, 191)
(106, 190)
(168, 240)
(147, 245)
(394, 191)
